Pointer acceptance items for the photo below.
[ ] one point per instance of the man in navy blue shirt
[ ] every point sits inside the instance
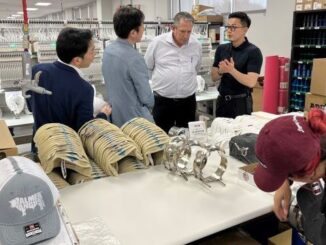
(238, 65)
(71, 102)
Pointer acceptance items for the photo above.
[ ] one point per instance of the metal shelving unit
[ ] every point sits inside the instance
(308, 42)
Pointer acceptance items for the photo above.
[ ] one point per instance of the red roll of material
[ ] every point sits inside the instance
(284, 69)
(282, 61)
(284, 85)
(283, 101)
(271, 84)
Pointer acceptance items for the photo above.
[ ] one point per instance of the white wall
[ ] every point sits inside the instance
(87, 11)
(151, 8)
(272, 31)
(104, 9)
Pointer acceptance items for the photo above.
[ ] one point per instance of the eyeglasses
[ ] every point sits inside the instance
(233, 28)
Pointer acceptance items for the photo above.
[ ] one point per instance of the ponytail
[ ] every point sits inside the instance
(317, 121)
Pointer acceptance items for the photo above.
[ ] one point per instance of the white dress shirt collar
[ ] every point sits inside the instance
(79, 71)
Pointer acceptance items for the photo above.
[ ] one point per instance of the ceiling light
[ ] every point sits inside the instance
(42, 4)
(32, 9)
(20, 13)
(16, 15)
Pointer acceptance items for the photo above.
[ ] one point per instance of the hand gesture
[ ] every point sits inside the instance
(226, 66)
(106, 109)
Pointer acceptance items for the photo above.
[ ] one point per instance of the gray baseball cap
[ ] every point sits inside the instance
(28, 199)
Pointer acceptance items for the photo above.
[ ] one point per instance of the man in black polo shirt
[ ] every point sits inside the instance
(238, 65)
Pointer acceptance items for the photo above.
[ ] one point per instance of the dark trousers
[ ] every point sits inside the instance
(169, 112)
(233, 107)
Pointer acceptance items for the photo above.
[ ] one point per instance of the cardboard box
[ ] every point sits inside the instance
(7, 143)
(319, 4)
(304, 1)
(199, 7)
(299, 7)
(246, 173)
(318, 77)
(283, 238)
(307, 6)
(209, 18)
(314, 100)
(257, 97)
(304, 5)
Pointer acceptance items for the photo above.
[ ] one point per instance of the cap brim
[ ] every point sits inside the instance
(267, 181)
(15, 234)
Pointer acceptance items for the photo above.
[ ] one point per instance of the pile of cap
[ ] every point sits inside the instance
(106, 144)
(77, 178)
(129, 164)
(57, 180)
(60, 146)
(150, 138)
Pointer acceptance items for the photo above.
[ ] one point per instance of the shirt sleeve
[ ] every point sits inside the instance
(198, 66)
(217, 57)
(84, 110)
(139, 75)
(149, 58)
(255, 61)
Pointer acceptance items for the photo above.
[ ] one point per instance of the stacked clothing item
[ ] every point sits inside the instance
(57, 180)
(59, 146)
(129, 164)
(106, 144)
(149, 137)
(77, 178)
(63, 157)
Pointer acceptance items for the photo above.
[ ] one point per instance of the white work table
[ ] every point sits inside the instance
(23, 120)
(210, 94)
(153, 206)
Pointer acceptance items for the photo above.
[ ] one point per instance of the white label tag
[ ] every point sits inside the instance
(32, 230)
(197, 131)
(63, 169)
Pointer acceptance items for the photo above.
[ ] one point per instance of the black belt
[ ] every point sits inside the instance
(235, 96)
(174, 99)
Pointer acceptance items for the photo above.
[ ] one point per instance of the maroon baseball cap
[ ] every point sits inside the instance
(285, 146)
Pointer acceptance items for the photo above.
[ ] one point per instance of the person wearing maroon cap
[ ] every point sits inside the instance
(290, 148)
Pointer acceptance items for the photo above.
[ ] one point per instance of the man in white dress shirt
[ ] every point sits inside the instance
(173, 60)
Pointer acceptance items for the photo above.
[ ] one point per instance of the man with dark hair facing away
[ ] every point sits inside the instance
(71, 102)
(124, 69)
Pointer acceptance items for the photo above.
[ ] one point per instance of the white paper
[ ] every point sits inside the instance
(95, 231)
